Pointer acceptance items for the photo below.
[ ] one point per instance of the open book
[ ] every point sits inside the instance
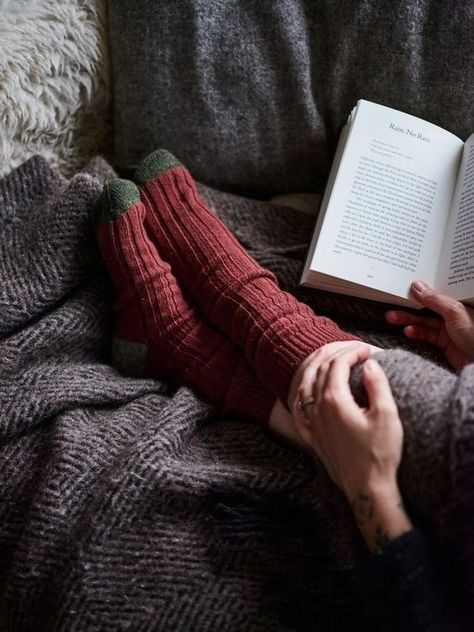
(398, 206)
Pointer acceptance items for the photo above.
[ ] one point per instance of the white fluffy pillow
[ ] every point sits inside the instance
(54, 82)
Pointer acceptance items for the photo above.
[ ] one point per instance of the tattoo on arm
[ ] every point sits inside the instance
(363, 508)
(401, 506)
(373, 525)
(381, 539)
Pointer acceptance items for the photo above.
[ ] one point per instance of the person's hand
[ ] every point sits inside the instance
(360, 448)
(309, 366)
(281, 422)
(453, 333)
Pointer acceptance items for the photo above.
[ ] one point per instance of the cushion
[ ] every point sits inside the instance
(251, 95)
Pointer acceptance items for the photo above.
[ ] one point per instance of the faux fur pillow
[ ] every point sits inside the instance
(54, 78)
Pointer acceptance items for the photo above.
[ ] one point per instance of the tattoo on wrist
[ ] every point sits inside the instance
(366, 513)
(381, 539)
(401, 506)
(363, 507)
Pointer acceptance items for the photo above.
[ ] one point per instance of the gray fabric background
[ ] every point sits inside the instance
(251, 94)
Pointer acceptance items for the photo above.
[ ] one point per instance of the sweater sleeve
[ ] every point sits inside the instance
(409, 581)
(407, 587)
(425, 394)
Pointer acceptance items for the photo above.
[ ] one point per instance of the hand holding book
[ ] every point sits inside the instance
(453, 333)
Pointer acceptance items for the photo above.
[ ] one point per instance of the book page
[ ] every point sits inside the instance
(327, 193)
(388, 209)
(456, 268)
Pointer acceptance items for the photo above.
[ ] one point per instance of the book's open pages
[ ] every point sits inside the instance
(455, 275)
(385, 211)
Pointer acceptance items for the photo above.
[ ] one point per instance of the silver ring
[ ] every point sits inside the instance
(305, 402)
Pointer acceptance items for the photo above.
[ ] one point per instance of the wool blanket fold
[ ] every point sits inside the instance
(129, 504)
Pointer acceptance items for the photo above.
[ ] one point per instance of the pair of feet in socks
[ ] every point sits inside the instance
(225, 329)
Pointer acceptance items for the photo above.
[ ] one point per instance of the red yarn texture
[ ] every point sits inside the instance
(181, 346)
(275, 330)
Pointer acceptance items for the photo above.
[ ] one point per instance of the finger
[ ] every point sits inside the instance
(440, 303)
(337, 392)
(333, 383)
(303, 429)
(425, 334)
(320, 382)
(348, 348)
(305, 389)
(351, 350)
(378, 388)
(352, 355)
(308, 378)
(397, 317)
(327, 353)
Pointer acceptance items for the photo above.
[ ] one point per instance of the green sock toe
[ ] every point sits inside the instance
(116, 197)
(155, 163)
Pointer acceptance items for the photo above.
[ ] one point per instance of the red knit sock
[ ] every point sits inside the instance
(156, 327)
(274, 329)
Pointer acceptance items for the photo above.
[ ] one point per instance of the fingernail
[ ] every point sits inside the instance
(371, 365)
(419, 286)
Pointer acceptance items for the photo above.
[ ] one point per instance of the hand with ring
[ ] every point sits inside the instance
(302, 403)
(360, 448)
(349, 439)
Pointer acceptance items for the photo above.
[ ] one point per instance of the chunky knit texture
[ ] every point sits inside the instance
(154, 318)
(124, 505)
(257, 92)
(275, 331)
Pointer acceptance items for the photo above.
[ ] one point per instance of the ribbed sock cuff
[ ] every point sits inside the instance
(249, 398)
(278, 355)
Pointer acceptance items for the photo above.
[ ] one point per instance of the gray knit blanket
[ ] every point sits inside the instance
(129, 504)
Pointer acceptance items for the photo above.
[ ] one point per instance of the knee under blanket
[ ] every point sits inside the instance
(127, 504)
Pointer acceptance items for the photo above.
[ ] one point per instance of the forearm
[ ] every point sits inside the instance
(434, 404)
(425, 394)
